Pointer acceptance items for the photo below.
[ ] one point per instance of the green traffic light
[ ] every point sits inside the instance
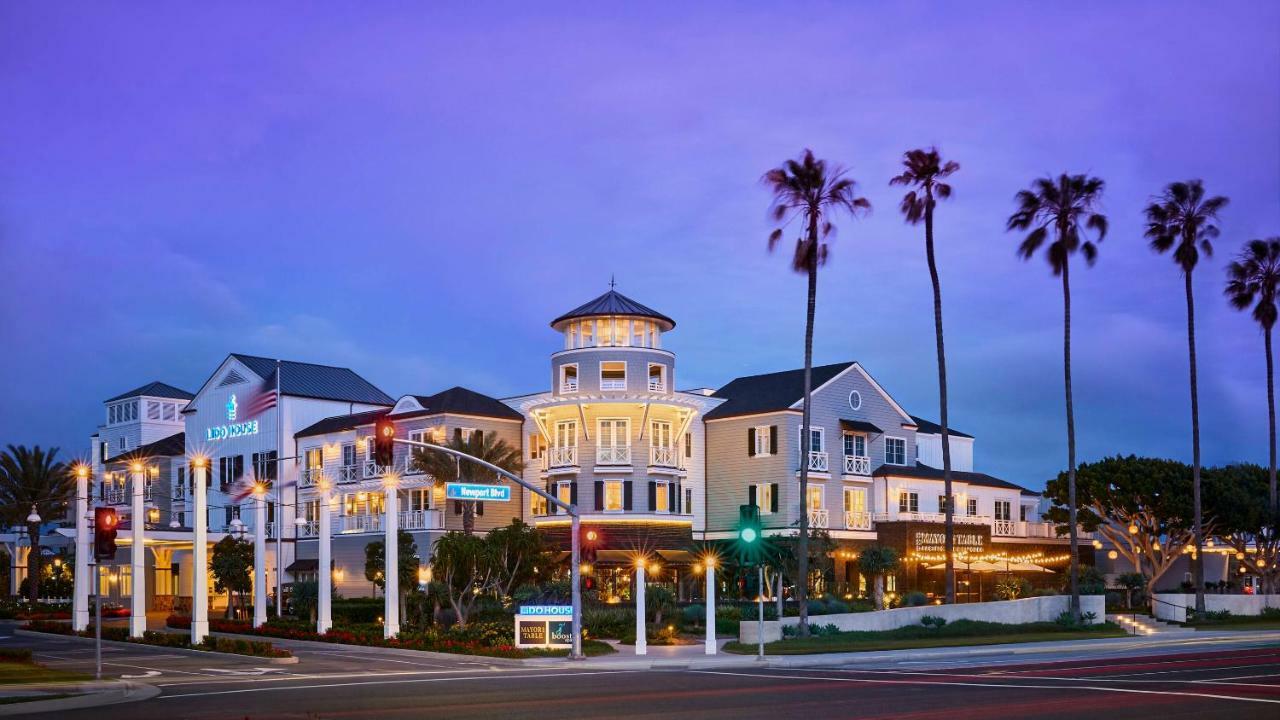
(747, 535)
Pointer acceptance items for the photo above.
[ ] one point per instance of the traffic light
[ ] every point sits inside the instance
(384, 434)
(749, 537)
(105, 524)
(588, 547)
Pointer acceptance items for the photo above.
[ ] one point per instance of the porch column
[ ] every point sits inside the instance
(642, 642)
(199, 553)
(138, 554)
(391, 551)
(80, 596)
(162, 561)
(711, 607)
(324, 571)
(260, 559)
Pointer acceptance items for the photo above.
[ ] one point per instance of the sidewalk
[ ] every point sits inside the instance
(82, 695)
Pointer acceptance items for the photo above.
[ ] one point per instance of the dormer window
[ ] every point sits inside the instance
(657, 377)
(569, 378)
(613, 375)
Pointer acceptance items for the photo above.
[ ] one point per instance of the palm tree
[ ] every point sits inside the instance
(1182, 219)
(806, 189)
(925, 170)
(445, 468)
(32, 480)
(877, 561)
(1256, 274)
(1061, 212)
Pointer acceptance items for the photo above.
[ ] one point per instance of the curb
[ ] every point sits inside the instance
(94, 695)
(292, 660)
(404, 652)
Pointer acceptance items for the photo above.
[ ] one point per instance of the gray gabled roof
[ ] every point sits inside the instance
(462, 401)
(770, 392)
(927, 472)
(155, 389)
(173, 446)
(323, 382)
(339, 423)
(614, 303)
(929, 427)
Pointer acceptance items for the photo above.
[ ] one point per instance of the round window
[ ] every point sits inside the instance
(855, 400)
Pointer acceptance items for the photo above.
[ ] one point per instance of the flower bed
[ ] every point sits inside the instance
(163, 639)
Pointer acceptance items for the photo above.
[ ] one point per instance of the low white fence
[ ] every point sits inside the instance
(1174, 606)
(1026, 610)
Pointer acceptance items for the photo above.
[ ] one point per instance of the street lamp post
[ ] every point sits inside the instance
(642, 643)
(391, 552)
(199, 553)
(711, 606)
(138, 557)
(260, 558)
(324, 571)
(80, 601)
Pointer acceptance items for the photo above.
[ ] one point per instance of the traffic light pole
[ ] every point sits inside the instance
(97, 620)
(760, 615)
(575, 550)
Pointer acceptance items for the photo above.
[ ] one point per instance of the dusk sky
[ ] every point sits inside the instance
(414, 191)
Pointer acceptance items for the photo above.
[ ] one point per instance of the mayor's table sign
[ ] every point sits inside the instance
(544, 626)
(477, 491)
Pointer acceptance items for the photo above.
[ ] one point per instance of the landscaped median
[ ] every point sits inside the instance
(488, 639)
(233, 646)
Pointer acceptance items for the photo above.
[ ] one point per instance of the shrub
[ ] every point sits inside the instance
(1092, 581)
(609, 621)
(693, 614)
(178, 622)
(933, 621)
(837, 607)
(357, 611)
(1271, 613)
(1210, 616)
(1013, 589)
(915, 598)
(18, 655)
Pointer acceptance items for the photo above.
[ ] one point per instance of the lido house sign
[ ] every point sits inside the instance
(232, 428)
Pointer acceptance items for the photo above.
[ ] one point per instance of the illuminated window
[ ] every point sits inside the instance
(908, 502)
(973, 506)
(662, 497)
(637, 333)
(153, 515)
(815, 497)
(613, 496)
(314, 459)
(126, 580)
(1004, 510)
(588, 333)
(764, 498)
(763, 440)
(537, 505)
(569, 378)
(657, 377)
(613, 375)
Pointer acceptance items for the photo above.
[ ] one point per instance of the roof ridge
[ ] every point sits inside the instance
(846, 363)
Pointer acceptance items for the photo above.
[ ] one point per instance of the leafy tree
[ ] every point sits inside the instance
(1255, 275)
(1131, 581)
(519, 556)
(1141, 505)
(877, 561)
(926, 171)
(783, 553)
(32, 478)
(463, 564)
(1183, 220)
(1243, 518)
(806, 189)
(1062, 212)
(375, 563)
(445, 468)
(231, 564)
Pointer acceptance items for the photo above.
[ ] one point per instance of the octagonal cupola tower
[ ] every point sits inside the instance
(612, 344)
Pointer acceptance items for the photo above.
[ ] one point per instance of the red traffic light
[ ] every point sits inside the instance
(105, 524)
(384, 434)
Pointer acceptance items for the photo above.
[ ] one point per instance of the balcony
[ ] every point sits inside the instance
(411, 466)
(350, 473)
(666, 457)
(1005, 528)
(657, 385)
(819, 518)
(959, 519)
(608, 383)
(360, 523)
(374, 522)
(568, 386)
(310, 477)
(181, 492)
(613, 454)
(818, 461)
(123, 494)
(560, 457)
(857, 465)
(421, 520)
(309, 529)
(857, 520)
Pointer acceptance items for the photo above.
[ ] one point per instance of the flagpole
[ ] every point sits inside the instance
(279, 489)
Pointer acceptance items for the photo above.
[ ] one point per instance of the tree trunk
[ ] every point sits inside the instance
(1197, 558)
(1074, 579)
(468, 517)
(877, 591)
(802, 544)
(950, 529)
(1271, 419)
(778, 581)
(33, 563)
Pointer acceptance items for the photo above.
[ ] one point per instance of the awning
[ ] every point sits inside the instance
(298, 566)
(859, 426)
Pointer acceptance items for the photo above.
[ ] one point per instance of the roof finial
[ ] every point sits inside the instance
(611, 281)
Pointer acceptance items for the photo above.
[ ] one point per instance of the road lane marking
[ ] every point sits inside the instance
(406, 681)
(373, 657)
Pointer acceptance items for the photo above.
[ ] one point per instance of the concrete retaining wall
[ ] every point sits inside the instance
(1026, 610)
(1173, 606)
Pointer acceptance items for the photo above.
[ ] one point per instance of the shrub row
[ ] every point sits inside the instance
(163, 639)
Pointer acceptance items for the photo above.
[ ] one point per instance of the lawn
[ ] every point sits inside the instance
(15, 673)
(1238, 624)
(957, 634)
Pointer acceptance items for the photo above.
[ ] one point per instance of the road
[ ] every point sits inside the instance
(1240, 682)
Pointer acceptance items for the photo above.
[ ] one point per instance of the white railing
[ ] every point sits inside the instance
(613, 455)
(959, 519)
(557, 457)
(1041, 530)
(351, 473)
(271, 529)
(411, 466)
(180, 492)
(613, 384)
(310, 528)
(857, 465)
(664, 456)
(568, 386)
(657, 385)
(817, 461)
(123, 494)
(856, 520)
(421, 520)
(819, 518)
(361, 523)
(1004, 528)
(310, 477)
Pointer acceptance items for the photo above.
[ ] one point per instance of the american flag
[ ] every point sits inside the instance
(261, 399)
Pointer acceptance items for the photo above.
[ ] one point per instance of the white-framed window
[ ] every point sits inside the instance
(566, 434)
(613, 496)
(816, 493)
(313, 458)
(613, 375)
(348, 453)
(537, 446)
(124, 443)
(895, 451)
(537, 504)
(569, 378)
(764, 440)
(855, 444)
(688, 501)
(661, 497)
(972, 507)
(660, 434)
(657, 377)
(764, 498)
(817, 439)
(908, 501)
(1003, 510)
(153, 409)
(588, 333)
(564, 492)
(613, 432)
(418, 499)
(855, 500)
(637, 333)
(111, 414)
(170, 411)
(855, 400)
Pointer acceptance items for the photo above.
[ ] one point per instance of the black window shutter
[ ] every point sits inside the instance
(255, 467)
(751, 494)
(773, 439)
(457, 433)
(673, 497)
(626, 495)
(653, 495)
(751, 442)
(457, 507)
(239, 471)
(773, 497)
(599, 495)
(573, 493)
(227, 510)
(480, 509)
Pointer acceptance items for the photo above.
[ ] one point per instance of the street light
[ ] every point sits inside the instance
(34, 517)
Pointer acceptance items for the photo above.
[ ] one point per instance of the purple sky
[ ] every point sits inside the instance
(416, 193)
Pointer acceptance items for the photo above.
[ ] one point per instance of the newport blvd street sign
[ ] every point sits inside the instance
(478, 492)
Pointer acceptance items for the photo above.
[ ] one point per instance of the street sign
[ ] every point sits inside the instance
(478, 492)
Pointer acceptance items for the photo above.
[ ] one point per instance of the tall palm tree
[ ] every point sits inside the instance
(1256, 274)
(1062, 212)
(445, 468)
(1182, 219)
(925, 170)
(33, 479)
(808, 190)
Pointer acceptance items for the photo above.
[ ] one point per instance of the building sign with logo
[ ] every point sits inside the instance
(929, 538)
(232, 429)
(935, 541)
(544, 626)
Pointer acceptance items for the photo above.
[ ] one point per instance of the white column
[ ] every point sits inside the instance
(260, 560)
(14, 580)
(324, 575)
(80, 601)
(711, 608)
(642, 642)
(138, 556)
(391, 573)
(199, 553)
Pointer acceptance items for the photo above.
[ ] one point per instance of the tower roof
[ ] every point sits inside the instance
(613, 303)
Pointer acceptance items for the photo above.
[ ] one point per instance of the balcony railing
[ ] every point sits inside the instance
(181, 492)
(857, 520)
(857, 465)
(818, 461)
(310, 477)
(656, 385)
(665, 456)
(361, 523)
(613, 383)
(411, 466)
(310, 528)
(819, 518)
(569, 386)
(123, 494)
(1005, 528)
(558, 457)
(959, 518)
(613, 455)
(421, 520)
